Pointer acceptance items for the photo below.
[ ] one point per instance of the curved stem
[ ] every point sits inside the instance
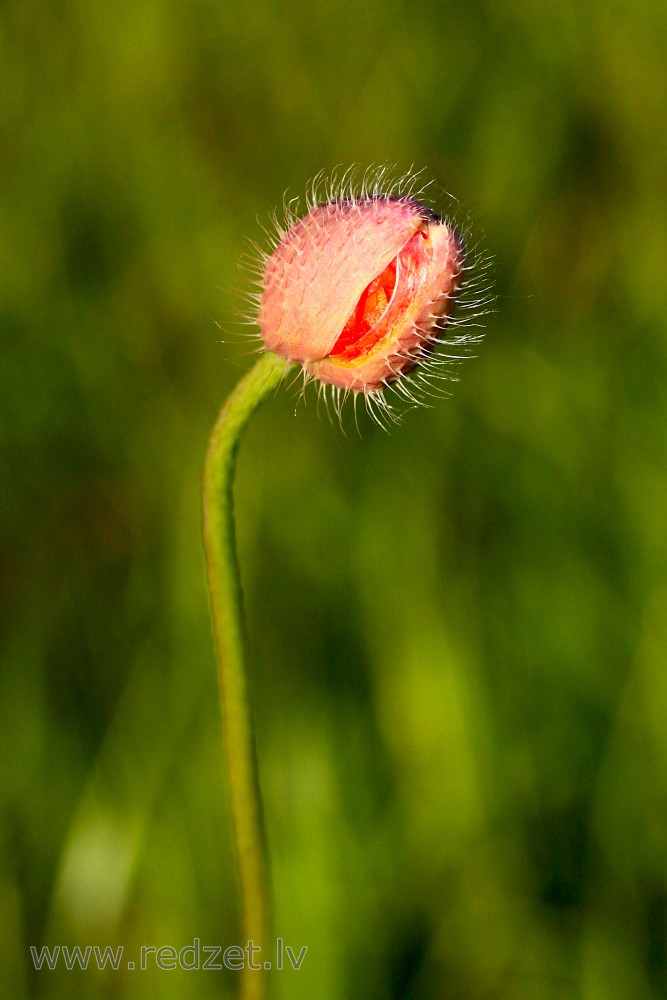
(227, 615)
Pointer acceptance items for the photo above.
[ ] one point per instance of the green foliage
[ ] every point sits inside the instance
(457, 631)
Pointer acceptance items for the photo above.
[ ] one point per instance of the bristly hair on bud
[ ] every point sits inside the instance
(370, 291)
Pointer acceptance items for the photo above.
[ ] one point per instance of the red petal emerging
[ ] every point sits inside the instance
(360, 333)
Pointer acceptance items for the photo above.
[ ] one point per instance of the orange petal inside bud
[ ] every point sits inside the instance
(361, 332)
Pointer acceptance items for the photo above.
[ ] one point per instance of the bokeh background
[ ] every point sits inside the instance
(457, 630)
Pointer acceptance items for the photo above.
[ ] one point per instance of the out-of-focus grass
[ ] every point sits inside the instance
(458, 630)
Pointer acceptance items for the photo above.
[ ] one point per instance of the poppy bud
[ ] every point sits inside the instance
(359, 290)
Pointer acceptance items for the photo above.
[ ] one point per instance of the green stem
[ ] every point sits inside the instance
(227, 615)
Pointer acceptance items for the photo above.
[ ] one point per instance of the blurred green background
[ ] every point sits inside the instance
(458, 630)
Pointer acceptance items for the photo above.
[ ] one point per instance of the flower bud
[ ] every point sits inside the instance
(357, 291)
